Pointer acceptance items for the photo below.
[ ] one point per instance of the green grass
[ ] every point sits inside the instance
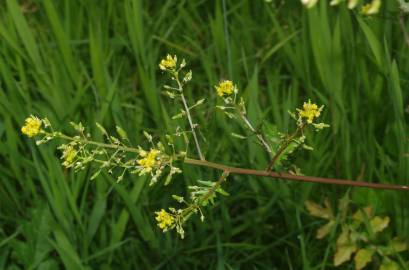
(87, 60)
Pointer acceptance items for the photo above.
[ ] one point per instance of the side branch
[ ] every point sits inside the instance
(259, 136)
(192, 126)
(288, 176)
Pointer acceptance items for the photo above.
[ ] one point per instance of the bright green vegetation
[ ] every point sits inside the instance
(97, 61)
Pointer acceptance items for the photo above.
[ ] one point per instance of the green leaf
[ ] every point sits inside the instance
(206, 183)
(343, 254)
(210, 199)
(147, 136)
(179, 115)
(122, 133)
(95, 175)
(389, 265)
(363, 257)
(363, 214)
(188, 76)
(222, 191)
(378, 224)
(179, 199)
(102, 129)
(271, 132)
(396, 245)
(168, 179)
(78, 127)
(238, 136)
(343, 205)
(373, 41)
(325, 230)
(291, 147)
(343, 238)
(319, 211)
(66, 251)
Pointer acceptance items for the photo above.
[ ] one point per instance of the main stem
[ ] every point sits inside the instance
(235, 170)
(288, 176)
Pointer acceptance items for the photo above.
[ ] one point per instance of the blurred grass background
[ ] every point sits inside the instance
(88, 60)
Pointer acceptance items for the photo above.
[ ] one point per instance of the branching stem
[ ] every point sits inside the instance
(235, 170)
(215, 186)
(283, 147)
(260, 136)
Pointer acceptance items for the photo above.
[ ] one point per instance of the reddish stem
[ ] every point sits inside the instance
(301, 178)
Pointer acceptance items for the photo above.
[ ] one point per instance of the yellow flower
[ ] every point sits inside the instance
(149, 159)
(371, 8)
(164, 219)
(32, 126)
(309, 3)
(352, 4)
(310, 111)
(225, 87)
(69, 155)
(168, 63)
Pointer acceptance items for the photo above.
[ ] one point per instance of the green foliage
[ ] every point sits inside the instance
(359, 235)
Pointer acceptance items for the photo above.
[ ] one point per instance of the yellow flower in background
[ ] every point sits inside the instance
(168, 63)
(225, 87)
(149, 159)
(309, 3)
(32, 126)
(335, 2)
(352, 4)
(310, 111)
(371, 8)
(164, 219)
(69, 155)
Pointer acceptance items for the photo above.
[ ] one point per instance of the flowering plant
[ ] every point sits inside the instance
(161, 160)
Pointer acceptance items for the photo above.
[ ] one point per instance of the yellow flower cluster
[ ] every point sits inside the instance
(32, 126)
(367, 9)
(225, 87)
(148, 160)
(310, 111)
(164, 219)
(69, 155)
(168, 63)
(371, 8)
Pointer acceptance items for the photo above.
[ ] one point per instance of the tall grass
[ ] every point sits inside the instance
(87, 60)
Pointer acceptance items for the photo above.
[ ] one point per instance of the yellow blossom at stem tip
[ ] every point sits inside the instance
(310, 111)
(164, 219)
(168, 63)
(32, 126)
(225, 87)
(149, 159)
